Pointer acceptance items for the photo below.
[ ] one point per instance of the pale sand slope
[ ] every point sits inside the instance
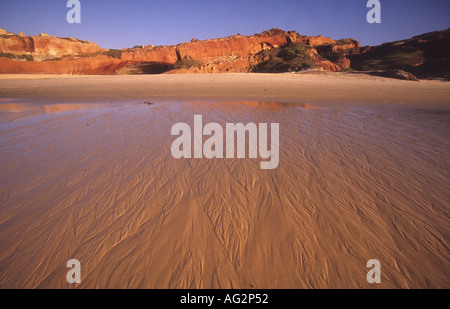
(97, 182)
(331, 87)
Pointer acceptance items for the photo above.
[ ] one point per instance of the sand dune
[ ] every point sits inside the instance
(98, 183)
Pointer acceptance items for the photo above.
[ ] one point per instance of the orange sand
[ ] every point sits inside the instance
(97, 183)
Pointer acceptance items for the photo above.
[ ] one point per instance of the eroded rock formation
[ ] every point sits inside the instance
(44, 46)
(230, 54)
(274, 50)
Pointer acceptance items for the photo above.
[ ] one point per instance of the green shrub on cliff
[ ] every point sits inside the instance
(114, 53)
(405, 58)
(293, 50)
(287, 54)
(12, 56)
(75, 40)
(289, 58)
(186, 63)
(7, 55)
(326, 52)
(26, 57)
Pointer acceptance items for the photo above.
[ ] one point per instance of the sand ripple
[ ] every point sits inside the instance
(98, 183)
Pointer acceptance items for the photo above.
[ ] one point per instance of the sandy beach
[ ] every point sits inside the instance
(87, 173)
(320, 87)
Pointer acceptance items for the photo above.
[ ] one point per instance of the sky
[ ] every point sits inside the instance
(122, 24)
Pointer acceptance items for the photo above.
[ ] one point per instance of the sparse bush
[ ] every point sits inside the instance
(298, 48)
(326, 51)
(405, 58)
(186, 63)
(114, 53)
(26, 57)
(54, 59)
(73, 39)
(287, 54)
(345, 69)
(292, 51)
(289, 58)
(7, 55)
(88, 55)
(12, 56)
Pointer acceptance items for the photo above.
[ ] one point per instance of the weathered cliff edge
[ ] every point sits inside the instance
(230, 54)
(274, 50)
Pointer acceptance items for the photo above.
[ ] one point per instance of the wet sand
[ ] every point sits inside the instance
(97, 182)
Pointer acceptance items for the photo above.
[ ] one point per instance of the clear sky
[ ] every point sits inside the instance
(121, 23)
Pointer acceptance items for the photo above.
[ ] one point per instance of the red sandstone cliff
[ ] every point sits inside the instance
(44, 46)
(231, 54)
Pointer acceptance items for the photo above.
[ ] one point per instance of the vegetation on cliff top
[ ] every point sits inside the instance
(288, 58)
(75, 40)
(405, 58)
(113, 53)
(425, 56)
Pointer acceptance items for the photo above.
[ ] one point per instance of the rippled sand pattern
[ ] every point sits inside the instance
(98, 183)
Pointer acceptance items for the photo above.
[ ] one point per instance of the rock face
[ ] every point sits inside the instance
(425, 56)
(274, 50)
(98, 65)
(239, 53)
(231, 54)
(45, 47)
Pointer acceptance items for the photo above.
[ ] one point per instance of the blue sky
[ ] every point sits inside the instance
(120, 24)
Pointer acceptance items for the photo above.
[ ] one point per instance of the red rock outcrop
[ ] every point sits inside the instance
(230, 54)
(98, 65)
(425, 56)
(45, 46)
